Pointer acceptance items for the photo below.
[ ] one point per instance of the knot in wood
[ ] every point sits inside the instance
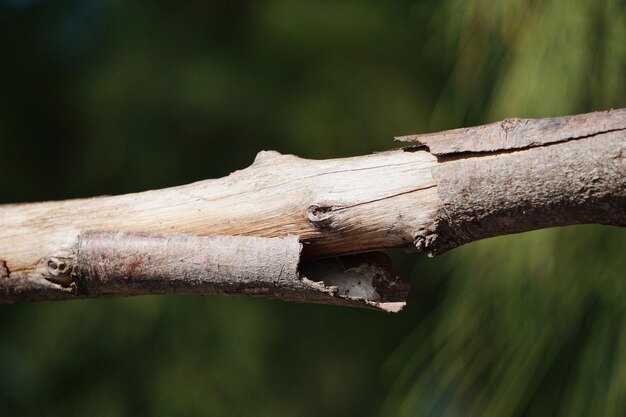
(59, 270)
(320, 215)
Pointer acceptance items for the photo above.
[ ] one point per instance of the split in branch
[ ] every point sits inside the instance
(243, 234)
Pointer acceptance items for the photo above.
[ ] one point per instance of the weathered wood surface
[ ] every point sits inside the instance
(526, 174)
(581, 181)
(108, 264)
(378, 198)
(464, 185)
(520, 133)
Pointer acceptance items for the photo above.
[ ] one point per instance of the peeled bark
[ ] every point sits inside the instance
(108, 264)
(457, 187)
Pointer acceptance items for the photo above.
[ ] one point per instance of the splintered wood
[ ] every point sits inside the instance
(106, 264)
(285, 226)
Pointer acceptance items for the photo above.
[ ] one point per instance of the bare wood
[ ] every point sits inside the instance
(326, 203)
(464, 185)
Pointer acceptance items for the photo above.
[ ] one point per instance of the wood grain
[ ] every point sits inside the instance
(463, 185)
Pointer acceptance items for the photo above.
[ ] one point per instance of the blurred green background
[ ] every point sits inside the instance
(106, 96)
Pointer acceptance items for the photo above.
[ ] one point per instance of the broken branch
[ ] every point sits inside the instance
(457, 187)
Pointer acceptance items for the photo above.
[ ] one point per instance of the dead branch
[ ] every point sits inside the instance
(456, 187)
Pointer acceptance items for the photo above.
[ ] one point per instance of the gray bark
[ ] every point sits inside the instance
(520, 174)
(108, 264)
(231, 235)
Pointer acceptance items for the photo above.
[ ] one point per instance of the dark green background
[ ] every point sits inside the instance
(107, 96)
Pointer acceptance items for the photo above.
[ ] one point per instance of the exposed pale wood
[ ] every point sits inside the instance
(465, 185)
(337, 207)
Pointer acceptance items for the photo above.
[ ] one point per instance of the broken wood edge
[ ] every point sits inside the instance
(519, 175)
(516, 133)
(116, 264)
(430, 199)
(336, 206)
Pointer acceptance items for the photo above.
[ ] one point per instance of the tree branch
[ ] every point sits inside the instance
(108, 264)
(457, 187)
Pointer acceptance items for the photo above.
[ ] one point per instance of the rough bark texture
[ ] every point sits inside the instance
(106, 264)
(521, 174)
(520, 191)
(520, 133)
(457, 187)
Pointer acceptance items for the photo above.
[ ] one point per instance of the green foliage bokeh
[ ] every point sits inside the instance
(104, 96)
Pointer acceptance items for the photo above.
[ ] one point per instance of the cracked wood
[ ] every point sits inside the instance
(517, 133)
(463, 185)
(381, 198)
(109, 264)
